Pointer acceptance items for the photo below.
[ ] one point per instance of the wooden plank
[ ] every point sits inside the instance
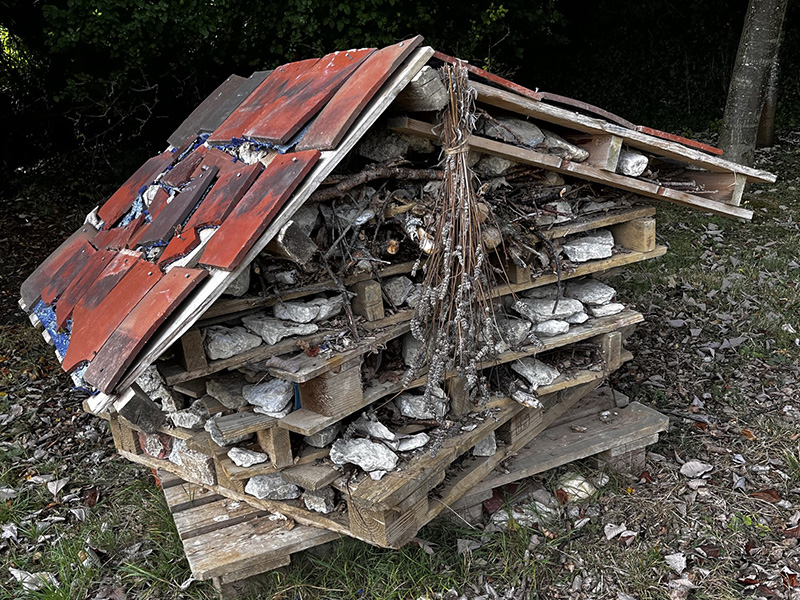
(330, 126)
(307, 456)
(260, 99)
(336, 392)
(120, 201)
(311, 477)
(638, 234)
(191, 353)
(305, 97)
(162, 228)
(31, 289)
(219, 280)
(605, 219)
(68, 272)
(603, 150)
(217, 107)
(388, 528)
(181, 172)
(95, 319)
(636, 139)
(680, 139)
(243, 423)
(562, 444)
(185, 495)
(307, 422)
(213, 516)
(253, 213)
(368, 301)
(490, 77)
(194, 389)
(723, 187)
(119, 237)
(587, 172)
(275, 442)
(117, 353)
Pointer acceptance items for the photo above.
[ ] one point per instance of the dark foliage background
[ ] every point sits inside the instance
(103, 82)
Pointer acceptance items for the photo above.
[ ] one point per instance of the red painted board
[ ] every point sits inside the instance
(31, 288)
(68, 271)
(491, 77)
(118, 237)
(163, 226)
(94, 319)
(338, 115)
(81, 284)
(261, 99)
(120, 202)
(681, 140)
(158, 202)
(254, 212)
(302, 100)
(227, 191)
(109, 364)
(182, 172)
(222, 160)
(585, 107)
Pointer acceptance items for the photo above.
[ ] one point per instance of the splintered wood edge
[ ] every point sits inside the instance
(218, 281)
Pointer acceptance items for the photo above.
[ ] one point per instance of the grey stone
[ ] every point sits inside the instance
(153, 385)
(593, 207)
(370, 425)
(555, 212)
(277, 414)
(224, 342)
(418, 144)
(493, 166)
(370, 456)
(415, 407)
(414, 296)
(606, 310)
(242, 457)
(274, 330)
(539, 310)
(397, 289)
(282, 277)
(631, 164)
(198, 466)
(227, 389)
(557, 145)
(513, 131)
(240, 285)
(271, 487)
(306, 217)
(535, 372)
(381, 145)
(590, 291)
(551, 328)
(324, 436)
(545, 291)
(211, 427)
(193, 417)
(577, 318)
(321, 501)
(513, 331)
(590, 247)
(525, 398)
(272, 396)
(486, 447)
(318, 309)
(409, 442)
(411, 346)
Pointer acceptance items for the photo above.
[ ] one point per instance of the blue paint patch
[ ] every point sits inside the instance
(297, 405)
(47, 316)
(77, 378)
(137, 208)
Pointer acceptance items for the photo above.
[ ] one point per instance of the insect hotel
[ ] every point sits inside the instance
(360, 291)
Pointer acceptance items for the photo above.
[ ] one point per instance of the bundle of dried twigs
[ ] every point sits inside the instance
(454, 317)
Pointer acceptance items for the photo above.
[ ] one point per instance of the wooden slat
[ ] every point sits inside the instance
(69, 271)
(95, 319)
(636, 139)
(253, 213)
(589, 173)
(330, 126)
(310, 477)
(491, 77)
(243, 423)
(180, 173)
(110, 362)
(31, 289)
(680, 139)
(219, 515)
(307, 456)
(260, 99)
(119, 237)
(120, 202)
(301, 100)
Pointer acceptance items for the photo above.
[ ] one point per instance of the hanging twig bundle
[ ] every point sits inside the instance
(454, 317)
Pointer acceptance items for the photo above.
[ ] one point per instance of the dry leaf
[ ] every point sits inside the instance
(611, 530)
(677, 562)
(695, 468)
(749, 435)
(770, 495)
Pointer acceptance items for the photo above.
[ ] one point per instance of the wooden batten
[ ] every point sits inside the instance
(638, 235)
(388, 528)
(368, 300)
(337, 392)
(275, 442)
(192, 354)
(603, 149)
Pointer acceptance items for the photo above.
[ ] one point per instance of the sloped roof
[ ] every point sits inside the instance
(138, 274)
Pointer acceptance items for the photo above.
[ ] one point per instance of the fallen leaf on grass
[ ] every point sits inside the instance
(7, 493)
(749, 435)
(428, 547)
(467, 546)
(792, 532)
(56, 486)
(33, 582)
(679, 589)
(769, 495)
(790, 578)
(695, 468)
(611, 530)
(677, 562)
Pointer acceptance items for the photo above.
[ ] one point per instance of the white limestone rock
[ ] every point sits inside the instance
(321, 501)
(555, 212)
(223, 342)
(397, 289)
(198, 467)
(370, 425)
(631, 164)
(240, 285)
(539, 310)
(414, 295)
(274, 330)
(192, 418)
(227, 389)
(577, 318)
(590, 292)
(493, 166)
(551, 328)
(415, 407)
(557, 145)
(271, 487)
(242, 457)
(526, 398)
(153, 385)
(513, 131)
(323, 437)
(513, 331)
(535, 372)
(486, 447)
(590, 247)
(612, 308)
(409, 442)
(318, 309)
(545, 291)
(270, 396)
(370, 456)
(411, 346)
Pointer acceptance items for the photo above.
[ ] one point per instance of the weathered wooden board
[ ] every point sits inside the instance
(262, 98)
(96, 317)
(68, 271)
(110, 362)
(304, 98)
(217, 106)
(680, 139)
(333, 121)
(31, 289)
(223, 513)
(491, 77)
(174, 214)
(253, 213)
(158, 202)
(118, 238)
(179, 174)
(81, 284)
(121, 200)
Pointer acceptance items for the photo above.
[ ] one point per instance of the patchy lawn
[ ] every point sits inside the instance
(716, 514)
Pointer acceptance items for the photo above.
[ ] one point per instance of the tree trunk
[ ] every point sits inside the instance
(766, 126)
(758, 51)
